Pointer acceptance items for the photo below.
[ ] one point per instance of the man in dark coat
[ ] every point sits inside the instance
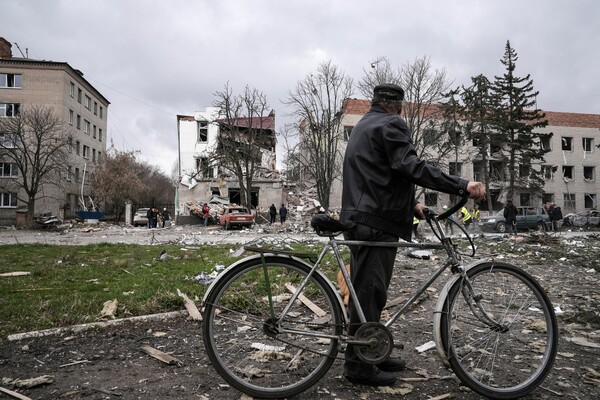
(283, 213)
(381, 167)
(273, 213)
(510, 215)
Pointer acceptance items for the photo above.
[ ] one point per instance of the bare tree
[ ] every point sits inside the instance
(424, 89)
(117, 180)
(36, 144)
(317, 103)
(246, 136)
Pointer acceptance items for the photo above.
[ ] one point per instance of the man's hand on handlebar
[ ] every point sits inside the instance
(476, 190)
(418, 211)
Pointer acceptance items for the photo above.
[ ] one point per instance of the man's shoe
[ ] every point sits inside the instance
(379, 378)
(392, 365)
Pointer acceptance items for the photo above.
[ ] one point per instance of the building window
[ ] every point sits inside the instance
(10, 81)
(8, 140)
(547, 198)
(10, 109)
(455, 168)
(431, 199)
(99, 134)
(86, 126)
(95, 108)
(202, 131)
(347, 131)
(86, 151)
(77, 147)
(99, 157)
(79, 95)
(589, 174)
(204, 168)
(567, 143)
(567, 171)
(496, 171)
(525, 199)
(94, 131)
(545, 143)
(87, 102)
(72, 90)
(590, 200)
(101, 112)
(588, 144)
(71, 117)
(76, 174)
(8, 170)
(524, 171)
(8, 200)
(548, 171)
(93, 155)
(569, 201)
(78, 121)
(69, 173)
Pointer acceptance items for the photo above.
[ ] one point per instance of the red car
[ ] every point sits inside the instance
(236, 216)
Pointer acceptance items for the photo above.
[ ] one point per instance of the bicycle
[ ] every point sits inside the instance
(274, 322)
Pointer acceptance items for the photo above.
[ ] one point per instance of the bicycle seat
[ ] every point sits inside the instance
(324, 225)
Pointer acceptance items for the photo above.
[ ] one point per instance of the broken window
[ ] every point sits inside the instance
(347, 131)
(496, 171)
(570, 201)
(545, 143)
(547, 198)
(548, 171)
(590, 200)
(431, 199)
(588, 173)
(567, 171)
(567, 143)
(202, 131)
(588, 144)
(455, 168)
(203, 167)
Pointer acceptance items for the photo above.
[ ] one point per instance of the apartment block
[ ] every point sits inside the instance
(26, 82)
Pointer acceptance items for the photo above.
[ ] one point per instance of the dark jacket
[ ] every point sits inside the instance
(510, 213)
(381, 167)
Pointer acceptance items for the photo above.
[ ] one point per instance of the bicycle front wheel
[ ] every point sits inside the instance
(255, 350)
(508, 355)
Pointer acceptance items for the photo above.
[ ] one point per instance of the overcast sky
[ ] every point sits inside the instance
(154, 59)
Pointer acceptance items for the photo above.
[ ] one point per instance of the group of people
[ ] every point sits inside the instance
(156, 217)
(273, 213)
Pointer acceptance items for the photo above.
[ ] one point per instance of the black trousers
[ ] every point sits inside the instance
(371, 272)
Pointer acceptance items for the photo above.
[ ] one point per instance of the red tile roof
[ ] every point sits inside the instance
(361, 106)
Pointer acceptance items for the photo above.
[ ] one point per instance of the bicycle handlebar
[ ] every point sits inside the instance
(450, 211)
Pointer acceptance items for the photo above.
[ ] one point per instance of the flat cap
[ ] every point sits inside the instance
(389, 91)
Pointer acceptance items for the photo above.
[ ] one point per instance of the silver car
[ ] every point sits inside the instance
(140, 218)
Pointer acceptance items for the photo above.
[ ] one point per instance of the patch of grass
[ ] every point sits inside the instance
(69, 285)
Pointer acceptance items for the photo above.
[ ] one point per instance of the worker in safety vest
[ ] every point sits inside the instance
(415, 228)
(466, 217)
(475, 215)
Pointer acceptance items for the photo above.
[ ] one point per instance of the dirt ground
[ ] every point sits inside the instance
(108, 363)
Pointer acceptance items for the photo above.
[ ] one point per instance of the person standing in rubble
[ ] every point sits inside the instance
(205, 213)
(283, 213)
(165, 216)
(510, 216)
(380, 171)
(273, 213)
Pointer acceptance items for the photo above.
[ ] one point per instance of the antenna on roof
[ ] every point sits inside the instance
(26, 55)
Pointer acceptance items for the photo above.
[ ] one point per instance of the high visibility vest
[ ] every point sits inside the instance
(476, 214)
(415, 221)
(465, 214)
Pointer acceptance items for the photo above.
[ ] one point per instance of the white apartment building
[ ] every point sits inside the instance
(26, 82)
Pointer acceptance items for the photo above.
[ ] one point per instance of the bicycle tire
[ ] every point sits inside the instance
(500, 365)
(240, 342)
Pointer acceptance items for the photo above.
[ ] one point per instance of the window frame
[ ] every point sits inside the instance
(13, 170)
(566, 143)
(6, 82)
(12, 200)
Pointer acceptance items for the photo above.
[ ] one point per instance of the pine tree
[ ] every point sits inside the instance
(516, 119)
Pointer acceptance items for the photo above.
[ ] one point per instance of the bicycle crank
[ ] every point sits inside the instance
(373, 342)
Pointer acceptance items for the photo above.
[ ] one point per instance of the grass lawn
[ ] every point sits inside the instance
(69, 284)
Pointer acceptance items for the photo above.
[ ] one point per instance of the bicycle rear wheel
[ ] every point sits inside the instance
(245, 345)
(511, 359)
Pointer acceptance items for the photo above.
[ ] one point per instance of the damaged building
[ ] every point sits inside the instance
(203, 177)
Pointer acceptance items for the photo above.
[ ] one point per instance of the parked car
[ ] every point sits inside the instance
(582, 218)
(528, 218)
(236, 216)
(140, 218)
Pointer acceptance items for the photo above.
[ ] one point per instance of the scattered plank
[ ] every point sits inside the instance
(161, 356)
(73, 363)
(14, 394)
(31, 382)
(315, 308)
(441, 397)
(16, 273)
(190, 306)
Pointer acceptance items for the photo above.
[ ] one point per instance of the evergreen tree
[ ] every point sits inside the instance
(516, 119)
